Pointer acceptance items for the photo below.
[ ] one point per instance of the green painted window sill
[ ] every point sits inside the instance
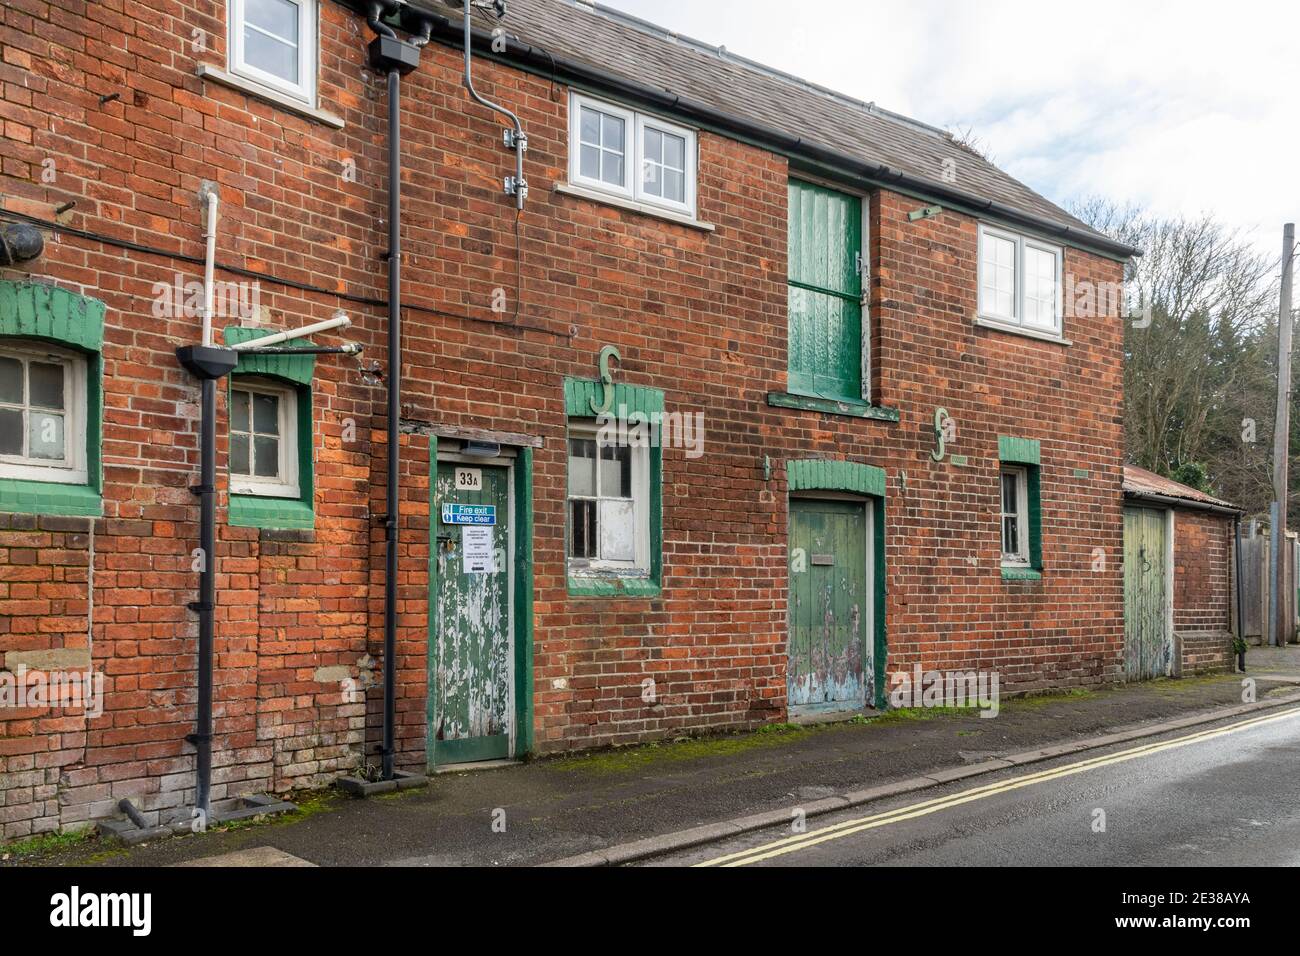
(248, 511)
(833, 406)
(1021, 574)
(612, 586)
(49, 498)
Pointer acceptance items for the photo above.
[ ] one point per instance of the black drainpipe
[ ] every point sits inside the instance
(209, 364)
(1236, 580)
(396, 57)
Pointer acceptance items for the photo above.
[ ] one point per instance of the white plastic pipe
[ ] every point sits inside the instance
(209, 263)
(339, 321)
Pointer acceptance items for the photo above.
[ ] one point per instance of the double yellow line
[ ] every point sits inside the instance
(804, 841)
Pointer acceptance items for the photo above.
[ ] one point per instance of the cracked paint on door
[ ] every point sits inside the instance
(829, 663)
(472, 672)
(1148, 643)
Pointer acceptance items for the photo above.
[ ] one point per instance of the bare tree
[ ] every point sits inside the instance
(1198, 373)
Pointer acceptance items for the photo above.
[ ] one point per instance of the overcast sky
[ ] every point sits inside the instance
(1183, 106)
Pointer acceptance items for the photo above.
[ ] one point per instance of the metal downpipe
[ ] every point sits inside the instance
(394, 414)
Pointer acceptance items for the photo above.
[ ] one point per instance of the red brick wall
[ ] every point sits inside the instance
(1202, 590)
(700, 315)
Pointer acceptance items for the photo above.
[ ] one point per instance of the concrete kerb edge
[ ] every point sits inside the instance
(649, 847)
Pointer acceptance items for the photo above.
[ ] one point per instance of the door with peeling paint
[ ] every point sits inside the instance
(829, 665)
(1148, 643)
(472, 662)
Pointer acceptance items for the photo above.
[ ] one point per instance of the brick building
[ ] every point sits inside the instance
(1180, 574)
(881, 419)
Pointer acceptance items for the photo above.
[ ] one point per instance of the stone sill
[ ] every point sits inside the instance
(595, 195)
(996, 326)
(832, 406)
(612, 586)
(1020, 574)
(207, 71)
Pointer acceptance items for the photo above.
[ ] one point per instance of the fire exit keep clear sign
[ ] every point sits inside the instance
(469, 514)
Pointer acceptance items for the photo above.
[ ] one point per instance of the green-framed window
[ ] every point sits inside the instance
(613, 490)
(1020, 508)
(270, 464)
(51, 400)
(827, 358)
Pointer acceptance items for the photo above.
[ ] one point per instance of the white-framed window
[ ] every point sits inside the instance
(263, 439)
(631, 155)
(42, 414)
(1015, 516)
(1019, 280)
(273, 42)
(608, 503)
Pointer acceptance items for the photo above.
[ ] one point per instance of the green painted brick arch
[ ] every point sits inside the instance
(39, 310)
(818, 475)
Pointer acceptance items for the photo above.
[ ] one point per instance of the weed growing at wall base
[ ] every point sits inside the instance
(945, 689)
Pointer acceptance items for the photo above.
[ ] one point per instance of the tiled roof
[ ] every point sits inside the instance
(1139, 481)
(651, 56)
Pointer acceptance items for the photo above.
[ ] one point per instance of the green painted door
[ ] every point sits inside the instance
(1148, 645)
(829, 664)
(471, 670)
(825, 286)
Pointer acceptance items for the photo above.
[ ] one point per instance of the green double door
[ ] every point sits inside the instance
(829, 664)
(1148, 643)
(472, 653)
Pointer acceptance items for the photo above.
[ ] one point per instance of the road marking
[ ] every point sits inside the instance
(805, 840)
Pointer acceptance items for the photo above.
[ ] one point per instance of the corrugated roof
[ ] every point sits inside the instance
(1139, 481)
(654, 56)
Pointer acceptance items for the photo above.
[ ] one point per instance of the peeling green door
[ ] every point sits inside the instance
(1148, 645)
(829, 665)
(472, 671)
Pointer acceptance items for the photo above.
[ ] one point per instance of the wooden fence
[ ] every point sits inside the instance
(1257, 582)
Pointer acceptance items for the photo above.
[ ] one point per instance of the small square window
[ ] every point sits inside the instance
(1019, 281)
(263, 439)
(42, 414)
(632, 155)
(274, 43)
(608, 503)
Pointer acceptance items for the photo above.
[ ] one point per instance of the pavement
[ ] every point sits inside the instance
(581, 806)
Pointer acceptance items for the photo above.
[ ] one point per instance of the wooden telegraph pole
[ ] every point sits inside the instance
(1280, 630)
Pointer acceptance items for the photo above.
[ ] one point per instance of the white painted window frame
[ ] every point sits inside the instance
(635, 124)
(308, 20)
(73, 469)
(689, 160)
(577, 102)
(1020, 558)
(1016, 322)
(640, 506)
(288, 485)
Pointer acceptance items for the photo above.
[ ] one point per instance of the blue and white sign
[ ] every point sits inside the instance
(469, 514)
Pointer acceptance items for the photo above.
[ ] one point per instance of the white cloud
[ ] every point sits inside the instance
(1185, 106)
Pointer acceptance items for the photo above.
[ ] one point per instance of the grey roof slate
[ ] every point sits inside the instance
(652, 56)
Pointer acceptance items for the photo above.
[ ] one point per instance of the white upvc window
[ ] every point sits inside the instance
(631, 155)
(608, 503)
(273, 42)
(1019, 281)
(263, 439)
(1015, 516)
(42, 414)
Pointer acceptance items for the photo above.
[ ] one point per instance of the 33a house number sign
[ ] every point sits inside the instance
(469, 479)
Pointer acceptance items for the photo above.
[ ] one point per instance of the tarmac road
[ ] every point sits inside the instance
(1227, 794)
